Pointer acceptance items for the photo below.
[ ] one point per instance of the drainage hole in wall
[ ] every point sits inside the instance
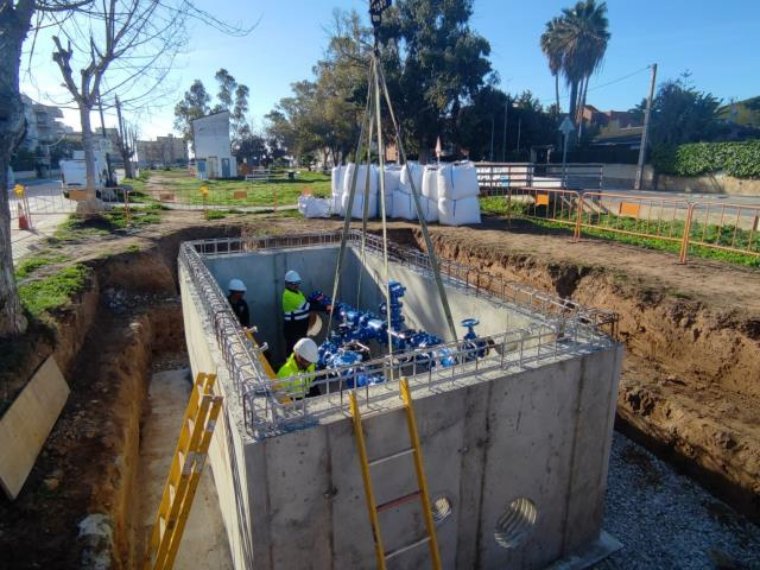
(516, 523)
(441, 509)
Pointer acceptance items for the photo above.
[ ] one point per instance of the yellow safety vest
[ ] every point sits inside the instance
(296, 387)
(295, 307)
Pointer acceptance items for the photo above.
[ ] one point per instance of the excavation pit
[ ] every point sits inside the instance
(530, 422)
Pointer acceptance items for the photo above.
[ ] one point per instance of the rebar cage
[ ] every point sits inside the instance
(562, 328)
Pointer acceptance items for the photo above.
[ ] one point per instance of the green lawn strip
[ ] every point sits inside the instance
(29, 265)
(654, 243)
(259, 193)
(110, 221)
(54, 291)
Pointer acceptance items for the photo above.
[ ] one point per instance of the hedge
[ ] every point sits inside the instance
(737, 159)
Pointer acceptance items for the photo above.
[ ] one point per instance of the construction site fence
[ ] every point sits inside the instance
(495, 178)
(567, 328)
(684, 224)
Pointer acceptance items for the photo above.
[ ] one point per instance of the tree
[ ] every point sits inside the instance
(577, 42)
(133, 39)
(227, 86)
(194, 105)
(682, 114)
(15, 23)
(443, 64)
(552, 49)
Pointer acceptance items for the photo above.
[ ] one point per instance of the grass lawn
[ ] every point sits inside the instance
(179, 187)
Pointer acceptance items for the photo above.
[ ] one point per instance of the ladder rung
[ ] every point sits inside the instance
(161, 527)
(392, 553)
(401, 453)
(398, 502)
(172, 493)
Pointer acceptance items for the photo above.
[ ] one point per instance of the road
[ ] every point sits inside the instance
(48, 208)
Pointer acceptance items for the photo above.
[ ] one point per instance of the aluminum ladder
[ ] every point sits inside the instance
(420, 494)
(184, 474)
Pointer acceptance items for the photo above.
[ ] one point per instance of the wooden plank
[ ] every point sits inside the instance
(629, 209)
(27, 424)
(78, 195)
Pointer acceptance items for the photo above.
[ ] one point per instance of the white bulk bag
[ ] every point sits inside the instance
(411, 172)
(361, 179)
(357, 211)
(429, 209)
(459, 212)
(312, 207)
(336, 205)
(403, 206)
(337, 180)
(458, 181)
(430, 182)
(388, 205)
(392, 178)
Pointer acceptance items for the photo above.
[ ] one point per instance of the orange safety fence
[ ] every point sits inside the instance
(721, 226)
(727, 227)
(558, 206)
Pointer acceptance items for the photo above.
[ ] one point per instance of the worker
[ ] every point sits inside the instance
(295, 311)
(239, 306)
(302, 360)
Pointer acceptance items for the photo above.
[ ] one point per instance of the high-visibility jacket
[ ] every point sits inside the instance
(295, 307)
(295, 387)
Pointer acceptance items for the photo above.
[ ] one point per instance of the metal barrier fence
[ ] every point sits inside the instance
(567, 328)
(727, 227)
(495, 178)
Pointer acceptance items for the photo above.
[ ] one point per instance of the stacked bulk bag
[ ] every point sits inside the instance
(392, 181)
(361, 185)
(336, 205)
(458, 190)
(403, 206)
(411, 172)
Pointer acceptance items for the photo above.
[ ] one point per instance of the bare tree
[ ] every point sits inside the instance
(16, 17)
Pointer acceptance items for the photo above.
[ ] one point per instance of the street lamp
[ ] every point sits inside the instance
(515, 105)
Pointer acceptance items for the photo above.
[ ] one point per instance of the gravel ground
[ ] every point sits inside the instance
(665, 520)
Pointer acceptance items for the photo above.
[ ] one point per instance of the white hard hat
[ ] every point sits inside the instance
(292, 277)
(307, 349)
(236, 285)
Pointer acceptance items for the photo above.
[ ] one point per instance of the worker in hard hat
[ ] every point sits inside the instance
(236, 299)
(295, 311)
(303, 360)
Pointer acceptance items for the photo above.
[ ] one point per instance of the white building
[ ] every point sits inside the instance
(213, 151)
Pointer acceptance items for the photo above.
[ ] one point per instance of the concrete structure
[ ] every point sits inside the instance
(515, 444)
(42, 124)
(164, 151)
(213, 152)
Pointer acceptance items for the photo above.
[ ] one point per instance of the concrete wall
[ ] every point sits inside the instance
(297, 500)
(226, 454)
(542, 434)
(263, 273)
(713, 184)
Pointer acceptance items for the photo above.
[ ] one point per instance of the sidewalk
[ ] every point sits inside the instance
(23, 242)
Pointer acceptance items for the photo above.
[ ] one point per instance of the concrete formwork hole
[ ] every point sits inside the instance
(441, 509)
(516, 523)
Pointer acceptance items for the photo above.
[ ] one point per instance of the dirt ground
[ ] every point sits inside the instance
(690, 387)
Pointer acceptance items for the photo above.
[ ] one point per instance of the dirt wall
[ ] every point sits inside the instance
(689, 385)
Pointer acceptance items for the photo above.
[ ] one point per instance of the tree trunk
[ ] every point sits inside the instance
(91, 204)
(14, 24)
(584, 90)
(556, 92)
(573, 100)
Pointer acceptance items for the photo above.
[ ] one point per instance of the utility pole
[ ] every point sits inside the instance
(504, 139)
(645, 131)
(492, 126)
(109, 182)
(124, 142)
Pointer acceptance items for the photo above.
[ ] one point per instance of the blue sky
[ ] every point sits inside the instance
(718, 43)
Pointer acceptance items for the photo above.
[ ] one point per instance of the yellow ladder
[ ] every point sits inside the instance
(185, 473)
(421, 493)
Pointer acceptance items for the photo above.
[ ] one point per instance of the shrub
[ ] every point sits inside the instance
(738, 159)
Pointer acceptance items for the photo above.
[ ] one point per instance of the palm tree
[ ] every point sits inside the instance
(553, 51)
(578, 40)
